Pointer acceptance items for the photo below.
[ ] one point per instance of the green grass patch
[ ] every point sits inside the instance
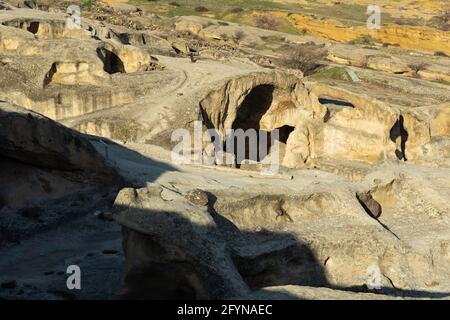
(218, 7)
(364, 40)
(335, 73)
(239, 11)
(351, 12)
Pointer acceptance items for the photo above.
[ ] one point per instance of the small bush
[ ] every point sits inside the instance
(441, 21)
(175, 4)
(440, 54)
(444, 16)
(238, 35)
(201, 9)
(364, 40)
(416, 67)
(267, 21)
(224, 37)
(305, 57)
(87, 4)
(407, 21)
(236, 10)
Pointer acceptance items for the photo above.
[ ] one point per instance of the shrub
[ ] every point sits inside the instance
(224, 37)
(175, 4)
(444, 16)
(201, 9)
(87, 4)
(267, 21)
(236, 10)
(238, 35)
(416, 67)
(305, 57)
(365, 40)
(407, 21)
(440, 54)
(441, 21)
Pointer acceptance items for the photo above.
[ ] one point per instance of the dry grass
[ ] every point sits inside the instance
(238, 35)
(306, 57)
(267, 21)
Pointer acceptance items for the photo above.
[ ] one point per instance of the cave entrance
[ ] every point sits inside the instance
(111, 62)
(33, 27)
(399, 136)
(253, 108)
(283, 136)
(284, 133)
(248, 117)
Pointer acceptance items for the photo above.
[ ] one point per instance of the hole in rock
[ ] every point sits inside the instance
(111, 62)
(283, 136)
(33, 27)
(336, 102)
(124, 38)
(284, 133)
(253, 108)
(399, 136)
(49, 76)
(248, 116)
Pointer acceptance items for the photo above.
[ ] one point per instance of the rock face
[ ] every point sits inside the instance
(405, 36)
(259, 236)
(46, 170)
(358, 207)
(34, 139)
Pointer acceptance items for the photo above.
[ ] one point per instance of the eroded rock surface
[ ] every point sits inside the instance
(48, 171)
(362, 187)
(301, 232)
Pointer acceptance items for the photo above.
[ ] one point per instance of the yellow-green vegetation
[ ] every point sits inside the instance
(216, 8)
(87, 4)
(247, 11)
(350, 14)
(364, 40)
(335, 73)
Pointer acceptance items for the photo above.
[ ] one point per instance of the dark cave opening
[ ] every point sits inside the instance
(399, 135)
(284, 133)
(249, 141)
(49, 76)
(253, 108)
(33, 27)
(249, 115)
(111, 62)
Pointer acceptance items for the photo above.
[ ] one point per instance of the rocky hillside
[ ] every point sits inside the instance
(87, 123)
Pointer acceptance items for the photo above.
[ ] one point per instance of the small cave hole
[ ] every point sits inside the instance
(249, 115)
(33, 27)
(49, 76)
(336, 102)
(399, 135)
(111, 62)
(284, 133)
